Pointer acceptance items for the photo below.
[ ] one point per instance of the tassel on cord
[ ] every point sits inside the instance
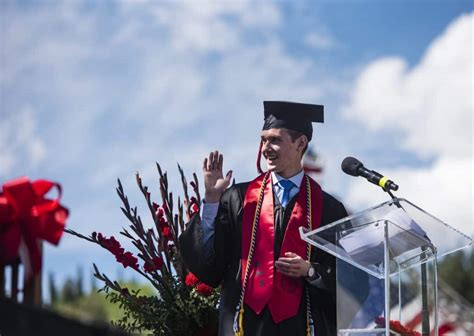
(259, 156)
(239, 321)
(236, 319)
(310, 328)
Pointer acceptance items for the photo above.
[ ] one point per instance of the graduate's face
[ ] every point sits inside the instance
(281, 152)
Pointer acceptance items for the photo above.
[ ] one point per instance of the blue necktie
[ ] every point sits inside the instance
(286, 185)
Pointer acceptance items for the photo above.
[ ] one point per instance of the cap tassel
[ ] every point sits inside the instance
(259, 156)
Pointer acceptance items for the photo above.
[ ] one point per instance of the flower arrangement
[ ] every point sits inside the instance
(184, 305)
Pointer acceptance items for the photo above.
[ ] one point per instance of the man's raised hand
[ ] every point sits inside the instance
(214, 181)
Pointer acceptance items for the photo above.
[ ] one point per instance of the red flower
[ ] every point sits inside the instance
(110, 244)
(204, 289)
(156, 264)
(194, 208)
(191, 280)
(162, 220)
(165, 229)
(128, 260)
(155, 206)
(160, 213)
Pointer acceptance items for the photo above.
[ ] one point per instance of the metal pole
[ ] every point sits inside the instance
(425, 313)
(436, 321)
(400, 303)
(386, 279)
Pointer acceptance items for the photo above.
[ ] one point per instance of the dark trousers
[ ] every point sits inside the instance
(263, 324)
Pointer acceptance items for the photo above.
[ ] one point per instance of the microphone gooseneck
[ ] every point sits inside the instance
(354, 167)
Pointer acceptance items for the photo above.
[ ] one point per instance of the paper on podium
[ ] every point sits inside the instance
(367, 245)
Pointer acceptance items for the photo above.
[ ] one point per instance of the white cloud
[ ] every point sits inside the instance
(205, 26)
(20, 144)
(431, 104)
(320, 41)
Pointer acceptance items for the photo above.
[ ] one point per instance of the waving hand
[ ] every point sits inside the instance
(214, 181)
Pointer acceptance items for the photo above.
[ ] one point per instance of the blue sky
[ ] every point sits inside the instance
(92, 92)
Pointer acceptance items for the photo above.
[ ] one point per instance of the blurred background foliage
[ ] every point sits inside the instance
(71, 299)
(457, 271)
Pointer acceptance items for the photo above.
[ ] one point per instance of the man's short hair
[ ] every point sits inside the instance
(295, 135)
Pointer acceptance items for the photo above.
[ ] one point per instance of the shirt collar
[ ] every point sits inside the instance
(296, 179)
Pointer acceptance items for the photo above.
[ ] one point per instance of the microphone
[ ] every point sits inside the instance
(354, 167)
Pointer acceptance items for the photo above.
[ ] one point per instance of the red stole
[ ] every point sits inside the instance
(265, 285)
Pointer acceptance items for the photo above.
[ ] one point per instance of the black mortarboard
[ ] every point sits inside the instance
(294, 116)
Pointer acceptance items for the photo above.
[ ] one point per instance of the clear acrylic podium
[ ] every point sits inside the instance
(391, 248)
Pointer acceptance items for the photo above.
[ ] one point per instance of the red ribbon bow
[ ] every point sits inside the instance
(27, 216)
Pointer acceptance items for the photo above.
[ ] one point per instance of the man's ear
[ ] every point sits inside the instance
(302, 142)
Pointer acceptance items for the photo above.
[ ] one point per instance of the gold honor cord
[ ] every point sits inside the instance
(309, 217)
(239, 314)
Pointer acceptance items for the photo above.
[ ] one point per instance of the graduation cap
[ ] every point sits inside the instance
(294, 116)
(289, 115)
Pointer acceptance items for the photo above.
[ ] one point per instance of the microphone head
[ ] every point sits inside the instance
(351, 166)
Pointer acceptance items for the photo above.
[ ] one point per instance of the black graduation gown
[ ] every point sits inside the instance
(224, 267)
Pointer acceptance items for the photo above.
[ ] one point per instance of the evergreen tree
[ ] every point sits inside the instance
(79, 282)
(53, 291)
(69, 292)
(470, 279)
(457, 270)
(93, 282)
